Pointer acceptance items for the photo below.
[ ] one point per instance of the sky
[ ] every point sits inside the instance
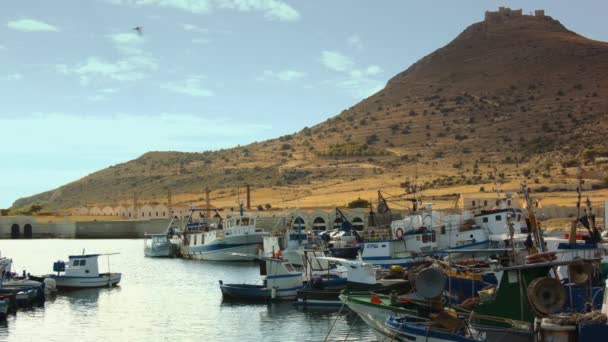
(81, 90)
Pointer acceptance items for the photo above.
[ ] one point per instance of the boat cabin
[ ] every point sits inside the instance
(152, 240)
(82, 266)
(496, 221)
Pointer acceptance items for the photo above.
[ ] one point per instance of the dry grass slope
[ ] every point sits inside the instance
(506, 100)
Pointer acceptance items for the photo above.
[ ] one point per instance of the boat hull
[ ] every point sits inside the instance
(247, 292)
(344, 252)
(104, 280)
(222, 251)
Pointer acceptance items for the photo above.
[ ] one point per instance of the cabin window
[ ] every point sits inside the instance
(289, 268)
(498, 218)
(83, 262)
(75, 262)
(433, 237)
(485, 219)
(442, 229)
(425, 238)
(245, 221)
(518, 217)
(238, 222)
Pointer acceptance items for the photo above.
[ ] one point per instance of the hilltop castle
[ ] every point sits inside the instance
(506, 12)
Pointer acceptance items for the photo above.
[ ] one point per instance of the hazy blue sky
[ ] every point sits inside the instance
(81, 90)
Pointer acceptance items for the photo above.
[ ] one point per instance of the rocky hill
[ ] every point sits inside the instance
(511, 97)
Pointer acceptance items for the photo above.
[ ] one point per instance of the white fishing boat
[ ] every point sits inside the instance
(427, 232)
(82, 271)
(226, 241)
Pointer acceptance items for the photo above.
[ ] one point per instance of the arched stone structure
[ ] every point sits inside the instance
(319, 224)
(27, 231)
(15, 231)
(299, 221)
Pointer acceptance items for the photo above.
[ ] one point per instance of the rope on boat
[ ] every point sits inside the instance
(334, 323)
(351, 326)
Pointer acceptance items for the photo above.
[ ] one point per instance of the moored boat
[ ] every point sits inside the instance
(280, 282)
(159, 245)
(82, 271)
(227, 241)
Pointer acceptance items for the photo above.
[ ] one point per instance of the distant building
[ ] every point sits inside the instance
(506, 13)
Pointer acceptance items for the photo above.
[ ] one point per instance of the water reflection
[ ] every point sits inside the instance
(164, 299)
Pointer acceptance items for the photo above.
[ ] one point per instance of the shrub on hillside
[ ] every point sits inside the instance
(358, 203)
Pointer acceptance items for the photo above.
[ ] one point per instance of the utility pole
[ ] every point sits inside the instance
(207, 204)
(135, 210)
(248, 197)
(169, 203)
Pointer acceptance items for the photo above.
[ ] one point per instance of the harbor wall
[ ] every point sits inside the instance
(20, 227)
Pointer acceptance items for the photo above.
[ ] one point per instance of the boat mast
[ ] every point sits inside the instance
(574, 225)
(535, 229)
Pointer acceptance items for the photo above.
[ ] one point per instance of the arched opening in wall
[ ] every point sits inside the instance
(319, 224)
(338, 223)
(358, 223)
(15, 231)
(27, 231)
(299, 222)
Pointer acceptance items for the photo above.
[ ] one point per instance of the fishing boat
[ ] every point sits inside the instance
(360, 276)
(159, 245)
(280, 281)
(226, 241)
(439, 328)
(81, 272)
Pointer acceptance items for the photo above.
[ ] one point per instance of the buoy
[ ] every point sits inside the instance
(396, 269)
(50, 284)
(273, 293)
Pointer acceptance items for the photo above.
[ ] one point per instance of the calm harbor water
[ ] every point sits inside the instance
(160, 300)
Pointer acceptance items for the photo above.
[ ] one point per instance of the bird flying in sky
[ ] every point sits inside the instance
(138, 29)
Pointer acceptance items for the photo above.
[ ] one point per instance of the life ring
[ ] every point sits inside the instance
(399, 233)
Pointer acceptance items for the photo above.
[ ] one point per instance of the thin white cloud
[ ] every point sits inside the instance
(13, 77)
(373, 70)
(283, 75)
(109, 90)
(201, 40)
(272, 9)
(132, 68)
(192, 86)
(31, 25)
(356, 42)
(126, 38)
(336, 61)
(128, 43)
(194, 28)
(357, 82)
